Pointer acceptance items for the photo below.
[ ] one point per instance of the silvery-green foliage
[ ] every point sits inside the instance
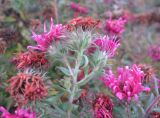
(79, 39)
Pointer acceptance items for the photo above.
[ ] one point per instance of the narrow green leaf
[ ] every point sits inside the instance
(64, 70)
(150, 99)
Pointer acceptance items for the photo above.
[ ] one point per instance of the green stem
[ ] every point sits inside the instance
(128, 110)
(156, 85)
(141, 108)
(74, 82)
(71, 98)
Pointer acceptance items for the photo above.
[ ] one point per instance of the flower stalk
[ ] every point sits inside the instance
(156, 85)
(128, 110)
(74, 82)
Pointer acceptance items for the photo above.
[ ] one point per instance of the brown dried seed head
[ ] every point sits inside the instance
(9, 35)
(3, 46)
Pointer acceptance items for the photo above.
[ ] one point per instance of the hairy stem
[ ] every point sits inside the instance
(156, 85)
(141, 108)
(74, 82)
(128, 110)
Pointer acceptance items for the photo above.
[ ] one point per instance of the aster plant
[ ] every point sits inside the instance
(74, 55)
(83, 54)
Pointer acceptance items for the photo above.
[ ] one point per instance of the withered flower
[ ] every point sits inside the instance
(3, 46)
(86, 23)
(26, 87)
(9, 35)
(50, 12)
(35, 23)
(154, 114)
(102, 107)
(30, 59)
(148, 72)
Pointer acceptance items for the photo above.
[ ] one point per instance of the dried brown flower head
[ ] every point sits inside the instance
(9, 35)
(84, 22)
(148, 17)
(35, 24)
(148, 72)
(25, 88)
(30, 59)
(154, 114)
(3, 46)
(50, 12)
(102, 107)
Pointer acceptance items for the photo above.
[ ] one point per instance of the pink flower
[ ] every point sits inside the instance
(45, 39)
(19, 113)
(154, 52)
(107, 44)
(115, 26)
(127, 84)
(79, 8)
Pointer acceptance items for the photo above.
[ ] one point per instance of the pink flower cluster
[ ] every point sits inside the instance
(79, 8)
(154, 52)
(45, 39)
(19, 113)
(127, 84)
(115, 26)
(108, 45)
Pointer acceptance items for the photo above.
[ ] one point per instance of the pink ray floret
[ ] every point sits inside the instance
(127, 84)
(108, 45)
(19, 113)
(115, 26)
(45, 39)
